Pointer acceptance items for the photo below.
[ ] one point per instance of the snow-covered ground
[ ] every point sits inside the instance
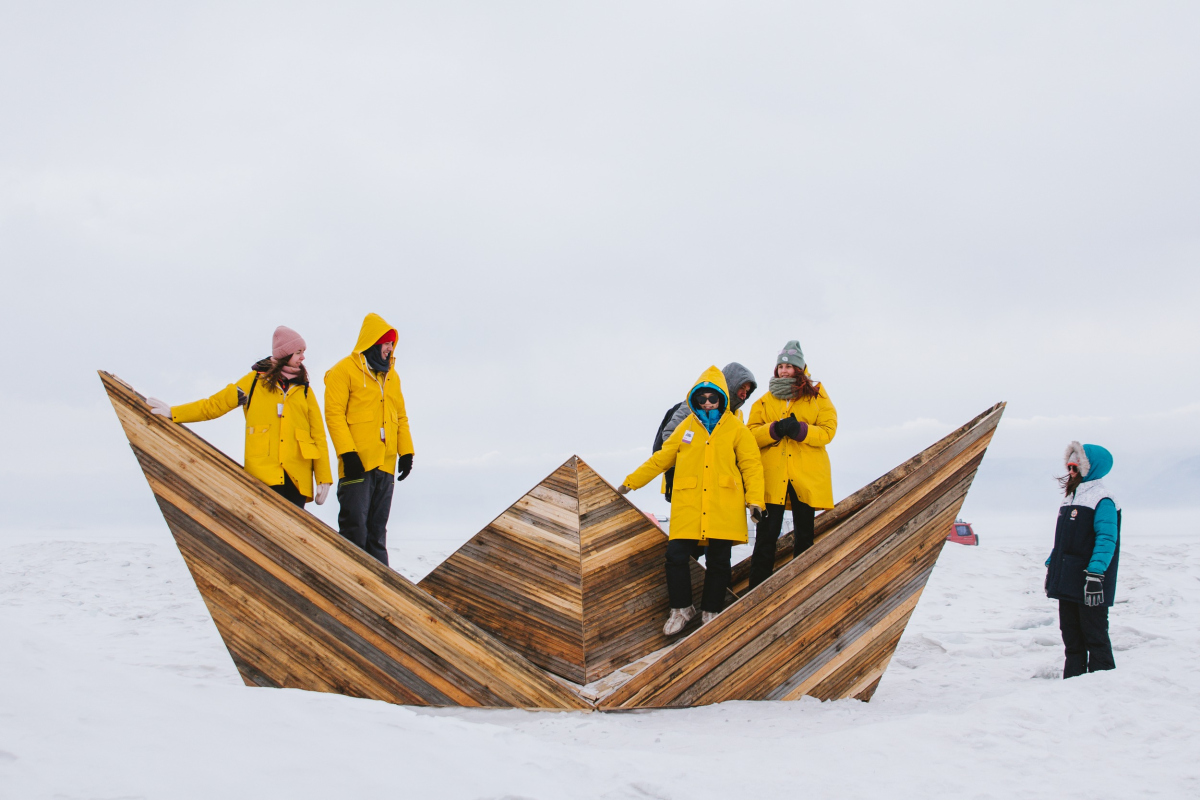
(115, 684)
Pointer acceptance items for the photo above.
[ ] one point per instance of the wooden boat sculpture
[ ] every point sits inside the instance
(556, 604)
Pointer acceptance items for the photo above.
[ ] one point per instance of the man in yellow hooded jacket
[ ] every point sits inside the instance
(718, 474)
(364, 412)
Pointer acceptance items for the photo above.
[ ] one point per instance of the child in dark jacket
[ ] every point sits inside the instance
(1082, 568)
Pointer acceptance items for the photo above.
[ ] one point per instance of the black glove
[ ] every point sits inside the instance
(756, 514)
(788, 426)
(1093, 589)
(404, 463)
(352, 468)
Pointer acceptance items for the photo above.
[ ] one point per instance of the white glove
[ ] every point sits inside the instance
(322, 492)
(159, 407)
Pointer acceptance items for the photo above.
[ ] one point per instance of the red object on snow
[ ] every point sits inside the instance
(962, 533)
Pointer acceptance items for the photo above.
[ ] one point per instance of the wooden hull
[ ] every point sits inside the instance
(567, 581)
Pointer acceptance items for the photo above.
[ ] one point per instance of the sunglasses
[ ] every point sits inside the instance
(708, 397)
(1072, 468)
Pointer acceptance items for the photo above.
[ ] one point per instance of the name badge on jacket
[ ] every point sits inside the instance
(687, 436)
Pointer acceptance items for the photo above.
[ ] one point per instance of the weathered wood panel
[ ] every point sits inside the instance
(298, 606)
(826, 521)
(623, 557)
(826, 624)
(570, 576)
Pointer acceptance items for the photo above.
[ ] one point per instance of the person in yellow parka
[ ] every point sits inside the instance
(285, 439)
(364, 409)
(718, 474)
(792, 423)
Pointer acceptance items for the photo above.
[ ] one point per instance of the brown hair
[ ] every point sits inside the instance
(272, 377)
(1070, 482)
(804, 384)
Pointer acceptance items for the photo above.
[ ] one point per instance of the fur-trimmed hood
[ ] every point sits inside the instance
(1094, 461)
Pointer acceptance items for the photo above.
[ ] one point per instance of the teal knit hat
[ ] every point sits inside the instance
(791, 354)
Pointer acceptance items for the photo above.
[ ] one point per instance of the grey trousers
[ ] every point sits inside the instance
(366, 503)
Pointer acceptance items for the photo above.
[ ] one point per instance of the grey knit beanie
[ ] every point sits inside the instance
(791, 354)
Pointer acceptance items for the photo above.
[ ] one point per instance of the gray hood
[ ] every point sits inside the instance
(735, 375)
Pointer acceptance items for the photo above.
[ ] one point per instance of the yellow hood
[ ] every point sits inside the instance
(373, 328)
(712, 376)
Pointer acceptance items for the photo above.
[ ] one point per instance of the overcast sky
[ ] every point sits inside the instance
(569, 211)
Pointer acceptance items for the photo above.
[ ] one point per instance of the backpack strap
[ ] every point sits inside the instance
(250, 396)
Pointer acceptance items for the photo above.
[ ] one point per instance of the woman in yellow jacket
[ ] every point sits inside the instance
(792, 423)
(718, 475)
(285, 436)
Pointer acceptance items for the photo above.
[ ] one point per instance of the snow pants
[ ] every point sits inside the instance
(716, 576)
(366, 503)
(766, 536)
(1085, 638)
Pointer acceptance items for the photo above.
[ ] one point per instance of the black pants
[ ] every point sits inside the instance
(762, 563)
(716, 576)
(288, 491)
(366, 503)
(1085, 638)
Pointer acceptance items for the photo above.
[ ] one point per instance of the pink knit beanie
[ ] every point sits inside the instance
(285, 342)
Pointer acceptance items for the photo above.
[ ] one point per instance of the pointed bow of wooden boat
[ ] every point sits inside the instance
(298, 606)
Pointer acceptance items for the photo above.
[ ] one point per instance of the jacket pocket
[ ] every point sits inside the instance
(685, 483)
(308, 448)
(1071, 577)
(258, 442)
(726, 482)
(360, 415)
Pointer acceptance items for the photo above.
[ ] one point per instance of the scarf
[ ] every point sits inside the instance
(789, 388)
(709, 418)
(290, 372)
(785, 388)
(375, 359)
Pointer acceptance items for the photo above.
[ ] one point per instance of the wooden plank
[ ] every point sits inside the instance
(519, 577)
(261, 559)
(623, 557)
(579, 589)
(827, 520)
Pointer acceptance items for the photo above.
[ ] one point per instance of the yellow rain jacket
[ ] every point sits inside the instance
(805, 464)
(716, 475)
(364, 411)
(283, 433)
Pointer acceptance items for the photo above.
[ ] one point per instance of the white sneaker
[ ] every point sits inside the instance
(707, 617)
(679, 617)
